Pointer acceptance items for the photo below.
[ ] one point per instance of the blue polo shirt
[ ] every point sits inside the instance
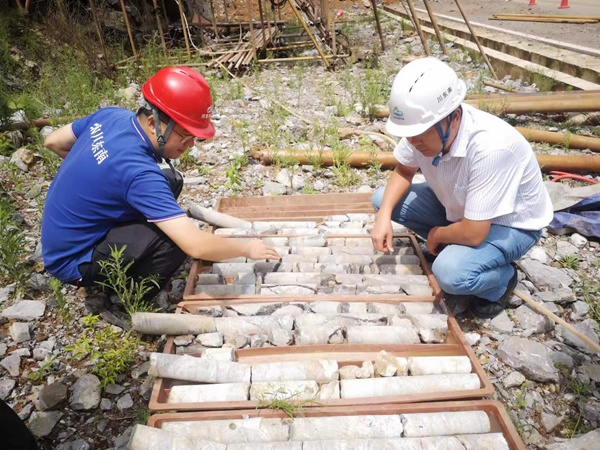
(110, 176)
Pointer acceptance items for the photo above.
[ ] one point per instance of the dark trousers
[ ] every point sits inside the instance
(152, 251)
(14, 435)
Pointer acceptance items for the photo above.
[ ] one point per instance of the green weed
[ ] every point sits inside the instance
(281, 399)
(140, 414)
(591, 294)
(109, 352)
(344, 173)
(570, 262)
(131, 293)
(581, 391)
(308, 189)
(60, 298)
(371, 91)
(233, 175)
(46, 367)
(13, 267)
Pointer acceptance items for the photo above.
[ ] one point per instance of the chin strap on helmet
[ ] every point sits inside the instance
(161, 137)
(444, 137)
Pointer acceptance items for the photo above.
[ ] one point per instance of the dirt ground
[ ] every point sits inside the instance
(480, 11)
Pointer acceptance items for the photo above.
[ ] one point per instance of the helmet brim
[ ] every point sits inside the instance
(205, 132)
(405, 130)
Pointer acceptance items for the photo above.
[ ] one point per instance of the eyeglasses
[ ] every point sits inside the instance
(186, 138)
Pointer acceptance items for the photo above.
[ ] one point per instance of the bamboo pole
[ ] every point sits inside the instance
(213, 20)
(438, 33)
(225, 10)
(415, 20)
(567, 163)
(128, 29)
(163, 44)
(262, 22)
(487, 61)
(99, 31)
(312, 38)
(185, 29)
(499, 86)
(374, 5)
(252, 40)
(303, 58)
(333, 36)
(539, 308)
(292, 47)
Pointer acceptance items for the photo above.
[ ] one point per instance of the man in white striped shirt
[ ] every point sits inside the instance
(483, 204)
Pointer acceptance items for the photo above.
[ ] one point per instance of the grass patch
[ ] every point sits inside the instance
(108, 352)
(281, 399)
(13, 267)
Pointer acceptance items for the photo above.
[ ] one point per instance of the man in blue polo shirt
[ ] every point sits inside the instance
(110, 192)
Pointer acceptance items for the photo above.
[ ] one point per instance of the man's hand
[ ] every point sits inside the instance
(257, 249)
(433, 243)
(382, 236)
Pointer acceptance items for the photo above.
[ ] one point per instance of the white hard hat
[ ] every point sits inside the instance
(423, 93)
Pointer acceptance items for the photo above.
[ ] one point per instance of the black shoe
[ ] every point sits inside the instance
(485, 309)
(112, 313)
(458, 304)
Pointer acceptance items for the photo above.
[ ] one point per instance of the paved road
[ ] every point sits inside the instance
(587, 35)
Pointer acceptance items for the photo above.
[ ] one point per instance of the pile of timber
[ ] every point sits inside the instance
(244, 52)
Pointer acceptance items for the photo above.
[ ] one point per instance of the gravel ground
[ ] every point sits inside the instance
(68, 409)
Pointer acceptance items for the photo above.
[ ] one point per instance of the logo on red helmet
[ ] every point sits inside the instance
(208, 113)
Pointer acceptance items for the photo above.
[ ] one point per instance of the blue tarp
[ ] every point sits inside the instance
(583, 217)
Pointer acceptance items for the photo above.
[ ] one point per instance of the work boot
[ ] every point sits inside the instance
(458, 304)
(486, 309)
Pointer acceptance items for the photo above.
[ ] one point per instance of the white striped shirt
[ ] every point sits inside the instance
(490, 172)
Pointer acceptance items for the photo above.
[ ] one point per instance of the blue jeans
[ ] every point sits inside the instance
(483, 271)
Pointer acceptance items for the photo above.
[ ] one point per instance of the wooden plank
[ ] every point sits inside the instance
(299, 200)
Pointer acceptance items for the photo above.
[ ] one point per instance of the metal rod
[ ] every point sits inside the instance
(128, 28)
(160, 29)
(415, 19)
(374, 5)
(487, 61)
(438, 33)
(293, 6)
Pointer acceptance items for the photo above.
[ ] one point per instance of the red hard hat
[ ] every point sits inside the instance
(184, 95)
